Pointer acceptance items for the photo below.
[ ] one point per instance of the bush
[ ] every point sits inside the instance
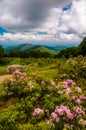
(74, 68)
(43, 105)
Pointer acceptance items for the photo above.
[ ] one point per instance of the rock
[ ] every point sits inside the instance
(14, 67)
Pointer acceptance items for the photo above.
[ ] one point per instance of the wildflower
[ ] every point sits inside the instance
(17, 72)
(49, 121)
(70, 82)
(59, 110)
(82, 97)
(57, 119)
(79, 90)
(78, 101)
(68, 91)
(65, 85)
(70, 115)
(78, 110)
(54, 115)
(37, 112)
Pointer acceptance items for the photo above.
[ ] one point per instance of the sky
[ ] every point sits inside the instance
(42, 21)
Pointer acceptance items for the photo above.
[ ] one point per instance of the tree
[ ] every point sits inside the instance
(1, 51)
(82, 47)
(14, 53)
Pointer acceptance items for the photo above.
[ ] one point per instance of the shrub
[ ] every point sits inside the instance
(74, 68)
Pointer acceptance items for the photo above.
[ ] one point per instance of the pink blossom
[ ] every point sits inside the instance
(68, 91)
(74, 97)
(59, 110)
(70, 82)
(57, 119)
(38, 111)
(78, 110)
(65, 85)
(78, 101)
(49, 121)
(70, 115)
(17, 72)
(82, 97)
(54, 115)
(79, 90)
(80, 120)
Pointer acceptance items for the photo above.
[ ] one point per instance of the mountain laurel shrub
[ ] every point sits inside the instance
(43, 106)
(74, 68)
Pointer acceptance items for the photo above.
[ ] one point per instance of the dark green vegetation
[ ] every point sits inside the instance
(1, 51)
(29, 50)
(74, 51)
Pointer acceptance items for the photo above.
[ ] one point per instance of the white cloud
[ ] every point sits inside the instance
(26, 37)
(75, 18)
(71, 23)
(60, 25)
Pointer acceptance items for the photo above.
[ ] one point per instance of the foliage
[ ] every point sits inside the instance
(82, 48)
(74, 51)
(42, 105)
(74, 68)
(49, 95)
(1, 51)
(69, 52)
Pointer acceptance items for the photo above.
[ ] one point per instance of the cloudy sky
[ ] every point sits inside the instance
(42, 21)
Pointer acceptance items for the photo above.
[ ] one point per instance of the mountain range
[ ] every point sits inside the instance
(41, 48)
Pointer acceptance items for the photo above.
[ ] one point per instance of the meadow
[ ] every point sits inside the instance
(48, 94)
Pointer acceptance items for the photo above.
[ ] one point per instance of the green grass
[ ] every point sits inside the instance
(3, 70)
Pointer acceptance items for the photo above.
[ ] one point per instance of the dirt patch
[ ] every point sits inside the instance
(2, 78)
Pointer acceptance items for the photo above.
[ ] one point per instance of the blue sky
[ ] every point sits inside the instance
(43, 22)
(2, 31)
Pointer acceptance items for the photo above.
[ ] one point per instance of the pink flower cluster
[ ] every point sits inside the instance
(69, 86)
(37, 112)
(68, 91)
(49, 121)
(55, 117)
(61, 110)
(82, 97)
(68, 83)
(72, 110)
(78, 90)
(17, 72)
(79, 111)
(18, 78)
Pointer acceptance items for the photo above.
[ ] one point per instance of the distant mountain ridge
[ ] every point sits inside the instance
(20, 47)
(28, 46)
